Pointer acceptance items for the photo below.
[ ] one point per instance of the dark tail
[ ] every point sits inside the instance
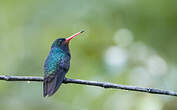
(51, 83)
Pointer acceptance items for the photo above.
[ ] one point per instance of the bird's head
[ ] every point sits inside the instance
(63, 43)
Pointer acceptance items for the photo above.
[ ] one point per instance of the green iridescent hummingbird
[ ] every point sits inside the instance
(57, 65)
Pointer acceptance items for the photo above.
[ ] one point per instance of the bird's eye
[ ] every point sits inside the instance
(59, 42)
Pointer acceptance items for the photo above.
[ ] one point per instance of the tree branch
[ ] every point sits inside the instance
(92, 83)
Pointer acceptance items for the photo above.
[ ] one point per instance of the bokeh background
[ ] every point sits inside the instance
(132, 42)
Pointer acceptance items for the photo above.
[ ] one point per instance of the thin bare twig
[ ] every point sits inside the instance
(92, 83)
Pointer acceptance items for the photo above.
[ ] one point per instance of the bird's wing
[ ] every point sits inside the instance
(54, 78)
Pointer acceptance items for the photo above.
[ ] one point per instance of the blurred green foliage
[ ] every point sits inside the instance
(126, 41)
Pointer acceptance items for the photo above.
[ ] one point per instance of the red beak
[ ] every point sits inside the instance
(69, 38)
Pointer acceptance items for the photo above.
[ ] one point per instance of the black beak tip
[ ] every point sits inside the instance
(82, 31)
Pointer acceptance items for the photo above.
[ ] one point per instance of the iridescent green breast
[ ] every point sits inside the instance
(55, 57)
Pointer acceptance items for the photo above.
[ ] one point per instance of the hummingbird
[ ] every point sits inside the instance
(57, 65)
